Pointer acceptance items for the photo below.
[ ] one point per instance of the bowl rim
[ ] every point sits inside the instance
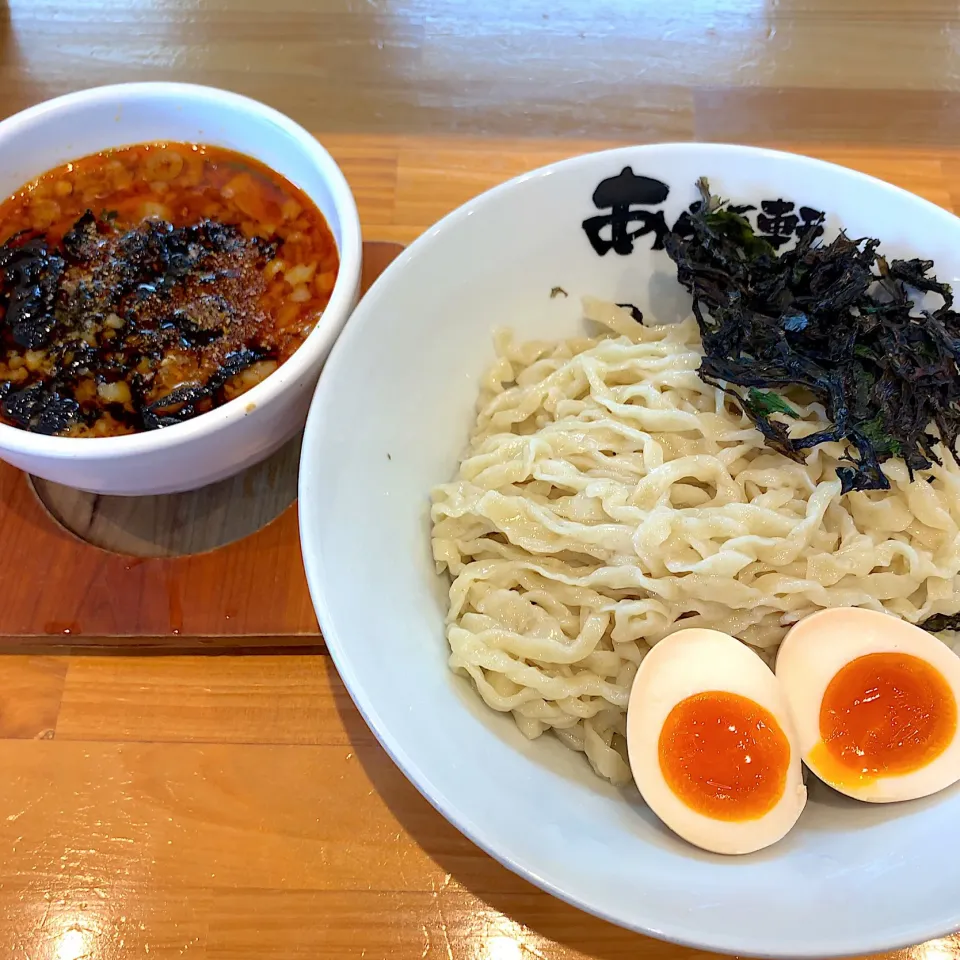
(96, 449)
(870, 941)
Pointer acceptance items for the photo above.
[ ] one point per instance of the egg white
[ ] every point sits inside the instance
(819, 646)
(682, 665)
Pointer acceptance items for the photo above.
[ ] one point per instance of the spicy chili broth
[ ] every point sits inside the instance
(142, 286)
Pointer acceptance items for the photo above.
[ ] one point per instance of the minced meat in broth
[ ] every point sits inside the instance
(152, 312)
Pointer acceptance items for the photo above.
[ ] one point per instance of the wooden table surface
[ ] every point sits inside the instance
(237, 806)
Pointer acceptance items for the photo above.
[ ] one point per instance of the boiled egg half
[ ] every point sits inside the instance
(711, 743)
(874, 700)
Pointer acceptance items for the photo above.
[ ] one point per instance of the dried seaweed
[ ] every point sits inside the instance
(106, 305)
(633, 310)
(835, 319)
(942, 621)
(32, 272)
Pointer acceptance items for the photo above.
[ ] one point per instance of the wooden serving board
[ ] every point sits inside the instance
(59, 590)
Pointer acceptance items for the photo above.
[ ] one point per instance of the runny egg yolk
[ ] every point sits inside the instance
(724, 756)
(883, 714)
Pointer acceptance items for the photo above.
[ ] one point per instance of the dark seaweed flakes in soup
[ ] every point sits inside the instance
(144, 286)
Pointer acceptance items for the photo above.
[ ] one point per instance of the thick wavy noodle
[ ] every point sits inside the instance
(609, 497)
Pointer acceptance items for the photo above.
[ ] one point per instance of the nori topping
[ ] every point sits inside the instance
(835, 319)
(106, 305)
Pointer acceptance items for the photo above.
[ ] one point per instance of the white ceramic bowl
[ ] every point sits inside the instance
(390, 417)
(243, 431)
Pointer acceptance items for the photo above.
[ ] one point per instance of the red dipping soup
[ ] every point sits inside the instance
(143, 286)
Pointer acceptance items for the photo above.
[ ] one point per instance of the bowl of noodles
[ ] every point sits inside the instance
(555, 475)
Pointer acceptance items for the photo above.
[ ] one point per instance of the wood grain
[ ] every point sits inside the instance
(255, 699)
(156, 826)
(818, 115)
(836, 70)
(437, 925)
(69, 922)
(179, 523)
(31, 687)
(59, 588)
